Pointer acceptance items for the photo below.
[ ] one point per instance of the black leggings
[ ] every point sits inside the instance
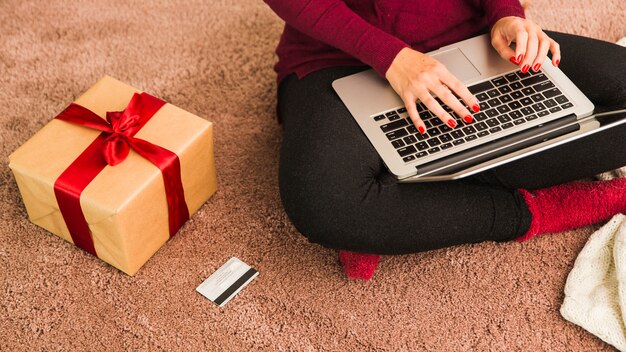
(338, 193)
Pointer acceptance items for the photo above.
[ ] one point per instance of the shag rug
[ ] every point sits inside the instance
(215, 58)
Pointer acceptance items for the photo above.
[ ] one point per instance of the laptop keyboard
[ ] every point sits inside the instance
(505, 101)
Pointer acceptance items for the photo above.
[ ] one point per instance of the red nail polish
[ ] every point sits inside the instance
(520, 57)
(513, 60)
(421, 129)
(557, 62)
(468, 119)
(476, 108)
(452, 123)
(525, 68)
(537, 67)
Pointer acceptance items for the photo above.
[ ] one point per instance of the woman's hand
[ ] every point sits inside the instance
(531, 43)
(414, 76)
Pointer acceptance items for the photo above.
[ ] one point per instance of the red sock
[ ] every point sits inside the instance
(572, 205)
(358, 265)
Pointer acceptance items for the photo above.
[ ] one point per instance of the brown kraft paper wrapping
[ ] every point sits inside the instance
(125, 205)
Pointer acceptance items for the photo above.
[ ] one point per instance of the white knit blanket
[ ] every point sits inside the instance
(595, 291)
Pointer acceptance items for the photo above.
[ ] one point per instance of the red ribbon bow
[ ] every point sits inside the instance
(112, 147)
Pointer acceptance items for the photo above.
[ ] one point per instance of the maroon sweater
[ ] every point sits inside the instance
(326, 33)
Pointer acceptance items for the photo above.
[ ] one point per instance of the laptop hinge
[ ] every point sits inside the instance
(499, 147)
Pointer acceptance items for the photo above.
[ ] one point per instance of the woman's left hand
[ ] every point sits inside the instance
(531, 43)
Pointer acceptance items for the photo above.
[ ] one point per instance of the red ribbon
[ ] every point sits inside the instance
(111, 147)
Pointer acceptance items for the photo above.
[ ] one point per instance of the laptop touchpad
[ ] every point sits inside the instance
(457, 64)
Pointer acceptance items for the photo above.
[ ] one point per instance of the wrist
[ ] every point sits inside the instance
(503, 21)
(406, 56)
(384, 70)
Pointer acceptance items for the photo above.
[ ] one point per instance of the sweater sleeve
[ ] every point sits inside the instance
(497, 9)
(334, 23)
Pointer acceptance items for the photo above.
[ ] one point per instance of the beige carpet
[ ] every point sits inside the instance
(214, 58)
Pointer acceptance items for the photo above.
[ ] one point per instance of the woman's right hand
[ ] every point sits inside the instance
(415, 76)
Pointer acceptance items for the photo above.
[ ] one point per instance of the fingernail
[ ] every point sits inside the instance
(468, 118)
(476, 108)
(519, 58)
(421, 129)
(452, 123)
(525, 68)
(536, 67)
(557, 62)
(514, 60)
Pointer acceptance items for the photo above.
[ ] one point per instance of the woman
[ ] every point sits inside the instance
(334, 186)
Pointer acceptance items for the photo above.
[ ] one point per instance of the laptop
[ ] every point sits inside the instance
(520, 114)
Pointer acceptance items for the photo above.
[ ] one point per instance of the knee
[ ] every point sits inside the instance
(323, 213)
(312, 210)
(594, 75)
(324, 181)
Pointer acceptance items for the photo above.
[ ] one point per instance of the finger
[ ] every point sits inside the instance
(544, 46)
(555, 49)
(449, 99)
(521, 44)
(502, 46)
(436, 108)
(531, 50)
(461, 90)
(411, 109)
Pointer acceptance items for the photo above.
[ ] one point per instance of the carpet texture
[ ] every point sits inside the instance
(214, 58)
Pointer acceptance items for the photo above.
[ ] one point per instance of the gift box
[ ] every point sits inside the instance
(117, 173)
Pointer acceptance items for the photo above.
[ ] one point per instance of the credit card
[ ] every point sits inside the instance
(227, 281)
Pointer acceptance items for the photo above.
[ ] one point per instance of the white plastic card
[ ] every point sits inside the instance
(227, 281)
